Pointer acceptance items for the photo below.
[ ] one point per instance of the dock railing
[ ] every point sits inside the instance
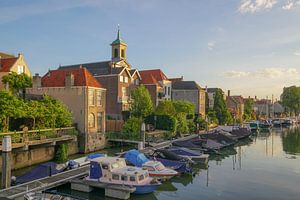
(27, 136)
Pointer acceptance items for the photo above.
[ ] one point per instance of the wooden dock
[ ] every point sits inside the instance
(44, 183)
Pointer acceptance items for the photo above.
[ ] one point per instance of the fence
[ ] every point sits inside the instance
(26, 135)
(114, 125)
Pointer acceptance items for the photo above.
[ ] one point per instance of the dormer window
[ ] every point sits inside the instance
(116, 53)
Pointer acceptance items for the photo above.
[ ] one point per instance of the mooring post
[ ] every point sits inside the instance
(143, 130)
(6, 161)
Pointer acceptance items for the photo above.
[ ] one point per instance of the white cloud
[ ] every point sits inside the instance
(288, 6)
(252, 6)
(211, 45)
(266, 73)
(236, 74)
(297, 53)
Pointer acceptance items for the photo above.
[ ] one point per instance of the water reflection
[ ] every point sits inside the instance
(291, 141)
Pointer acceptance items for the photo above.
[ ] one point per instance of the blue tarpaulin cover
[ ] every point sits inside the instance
(40, 171)
(136, 158)
(95, 155)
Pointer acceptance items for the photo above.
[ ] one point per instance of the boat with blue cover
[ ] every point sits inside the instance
(114, 171)
(155, 168)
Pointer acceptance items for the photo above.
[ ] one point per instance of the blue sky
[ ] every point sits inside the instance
(251, 47)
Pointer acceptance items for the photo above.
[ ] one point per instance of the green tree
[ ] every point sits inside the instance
(182, 124)
(17, 82)
(141, 104)
(248, 109)
(185, 107)
(220, 107)
(291, 98)
(165, 107)
(132, 128)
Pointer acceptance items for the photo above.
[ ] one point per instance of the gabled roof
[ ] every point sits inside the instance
(95, 68)
(173, 80)
(133, 72)
(211, 90)
(7, 63)
(5, 55)
(82, 77)
(156, 73)
(237, 99)
(186, 85)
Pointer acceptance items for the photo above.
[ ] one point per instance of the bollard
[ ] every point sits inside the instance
(143, 130)
(6, 161)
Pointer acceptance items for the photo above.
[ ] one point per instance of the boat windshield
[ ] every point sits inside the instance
(159, 167)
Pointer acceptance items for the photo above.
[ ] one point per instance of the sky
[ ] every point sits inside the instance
(251, 47)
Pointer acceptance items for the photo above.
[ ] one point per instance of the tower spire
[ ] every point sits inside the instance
(118, 37)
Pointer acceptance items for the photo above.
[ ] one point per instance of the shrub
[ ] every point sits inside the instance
(132, 128)
(166, 122)
(61, 154)
(182, 125)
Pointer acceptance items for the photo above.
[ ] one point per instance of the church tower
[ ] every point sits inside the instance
(118, 49)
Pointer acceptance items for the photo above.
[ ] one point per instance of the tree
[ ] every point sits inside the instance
(165, 107)
(182, 124)
(17, 82)
(248, 109)
(291, 98)
(220, 108)
(141, 104)
(184, 107)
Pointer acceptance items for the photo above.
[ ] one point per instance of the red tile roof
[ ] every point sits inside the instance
(6, 64)
(82, 77)
(152, 76)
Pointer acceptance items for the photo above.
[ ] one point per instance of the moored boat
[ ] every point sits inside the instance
(188, 153)
(155, 168)
(114, 171)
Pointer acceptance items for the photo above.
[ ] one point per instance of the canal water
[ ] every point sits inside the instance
(265, 166)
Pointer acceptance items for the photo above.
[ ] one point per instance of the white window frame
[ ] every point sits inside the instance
(121, 79)
(126, 79)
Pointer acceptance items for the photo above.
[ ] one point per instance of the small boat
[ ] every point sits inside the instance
(253, 125)
(114, 171)
(41, 171)
(277, 123)
(264, 124)
(236, 133)
(72, 164)
(287, 123)
(172, 160)
(220, 138)
(205, 145)
(155, 168)
(188, 153)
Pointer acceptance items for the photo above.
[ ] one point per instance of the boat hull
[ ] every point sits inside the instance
(145, 189)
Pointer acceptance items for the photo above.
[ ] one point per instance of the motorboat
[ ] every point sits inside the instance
(82, 161)
(188, 153)
(154, 167)
(114, 171)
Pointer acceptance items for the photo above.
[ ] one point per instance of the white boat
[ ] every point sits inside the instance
(155, 168)
(113, 170)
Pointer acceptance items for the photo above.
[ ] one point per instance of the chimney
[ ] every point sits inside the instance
(69, 81)
(255, 97)
(36, 81)
(228, 93)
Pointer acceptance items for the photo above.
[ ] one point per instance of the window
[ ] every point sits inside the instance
(115, 176)
(123, 53)
(137, 82)
(121, 79)
(105, 166)
(141, 177)
(116, 53)
(20, 69)
(132, 178)
(149, 168)
(91, 97)
(124, 178)
(126, 79)
(99, 121)
(124, 92)
(98, 97)
(91, 120)
(169, 91)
